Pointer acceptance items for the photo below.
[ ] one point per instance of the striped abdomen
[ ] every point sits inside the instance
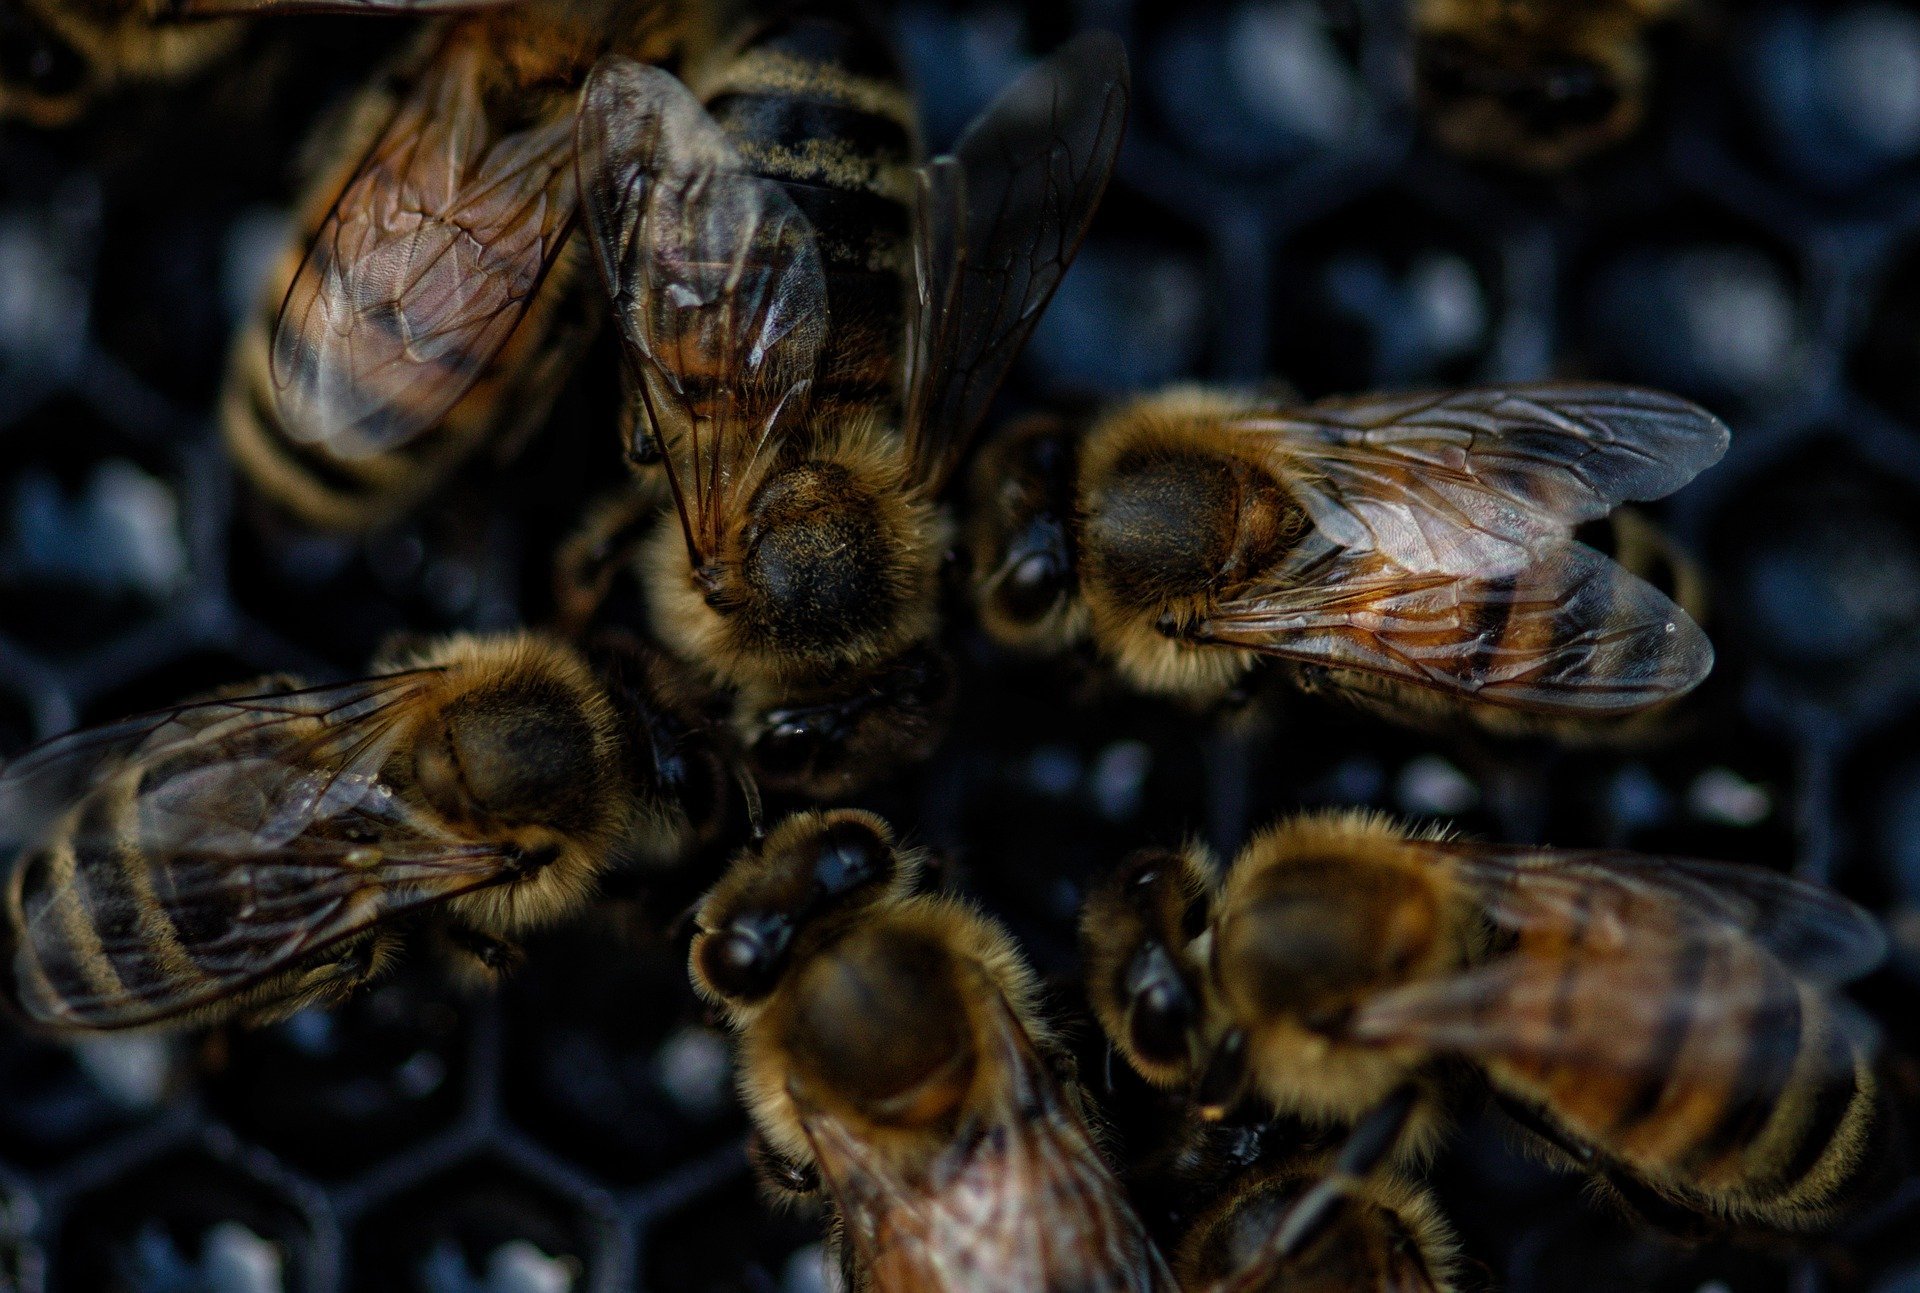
(1742, 1093)
(818, 103)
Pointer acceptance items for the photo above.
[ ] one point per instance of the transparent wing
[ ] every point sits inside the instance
(1569, 632)
(1625, 964)
(424, 267)
(997, 225)
(1471, 480)
(716, 281)
(1020, 1201)
(202, 850)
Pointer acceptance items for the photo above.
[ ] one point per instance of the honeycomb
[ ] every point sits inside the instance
(1277, 215)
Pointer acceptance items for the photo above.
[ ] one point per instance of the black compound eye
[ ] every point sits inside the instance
(1033, 586)
(743, 959)
(1161, 1012)
(35, 58)
(851, 855)
(789, 745)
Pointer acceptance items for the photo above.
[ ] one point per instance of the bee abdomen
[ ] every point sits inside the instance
(817, 103)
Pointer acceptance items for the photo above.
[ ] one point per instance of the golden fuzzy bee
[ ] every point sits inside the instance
(1539, 84)
(815, 326)
(254, 853)
(423, 310)
(1381, 1233)
(890, 1045)
(1670, 1026)
(1411, 552)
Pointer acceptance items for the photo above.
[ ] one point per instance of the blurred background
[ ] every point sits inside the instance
(1280, 213)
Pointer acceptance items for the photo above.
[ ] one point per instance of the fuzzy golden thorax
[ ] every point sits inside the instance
(831, 565)
(884, 1025)
(517, 742)
(1177, 510)
(1315, 915)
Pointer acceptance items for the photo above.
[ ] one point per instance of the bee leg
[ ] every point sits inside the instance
(1639, 1198)
(328, 979)
(1370, 1144)
(489, 957)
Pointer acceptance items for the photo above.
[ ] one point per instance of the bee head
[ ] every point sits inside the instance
(1021, 536)
(1541, 99)
(1147, 986)
(42, 76)
(832, 743)
(811, 867)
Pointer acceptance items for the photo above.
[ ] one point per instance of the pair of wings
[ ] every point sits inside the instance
(428, 259)
(1020, 1200)
(1637, 947)
(1441, 552)
(720, 293)
(262, 824)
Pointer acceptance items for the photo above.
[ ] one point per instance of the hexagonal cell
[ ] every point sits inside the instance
(958, 55)
(1387, 291)
(609, 1058)
(1827, 95)
(731, 1241)
(65, 1099)
(169, 682)
(1696, 299)
(445, 568)
(1882, 364)
(94, 537)
(1817, 560)
(334, 1092)
(1137, 308)
(480, 1224)
(186, 1221)
(1253, 85)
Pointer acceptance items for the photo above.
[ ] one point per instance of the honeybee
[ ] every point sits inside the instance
(1538, 84)
(814, 327)
(58, 56)
(423, 309)
(1381, 1233)
(1414, 553)
(254, 853)
(1669, 1026)
(890, 1047)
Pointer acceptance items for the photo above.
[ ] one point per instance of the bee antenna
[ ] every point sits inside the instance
(750, 794)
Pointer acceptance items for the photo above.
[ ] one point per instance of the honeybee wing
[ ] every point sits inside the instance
(1473, 480)
(997, 223)
(425, 265)
(197, 851)
(1021, 1200)
(716, 282)
(1567, 631)
(1616, 948)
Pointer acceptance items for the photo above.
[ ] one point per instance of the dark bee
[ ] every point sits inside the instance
(815, 327)
(255, 853)
(1669, 1026)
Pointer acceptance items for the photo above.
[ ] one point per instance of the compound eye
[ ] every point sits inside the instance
(1162, 1011)
(789, 746)
(742, 960)
(1033, 587)
(851, 856)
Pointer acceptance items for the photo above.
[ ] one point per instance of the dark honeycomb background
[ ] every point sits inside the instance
(1277, 215)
